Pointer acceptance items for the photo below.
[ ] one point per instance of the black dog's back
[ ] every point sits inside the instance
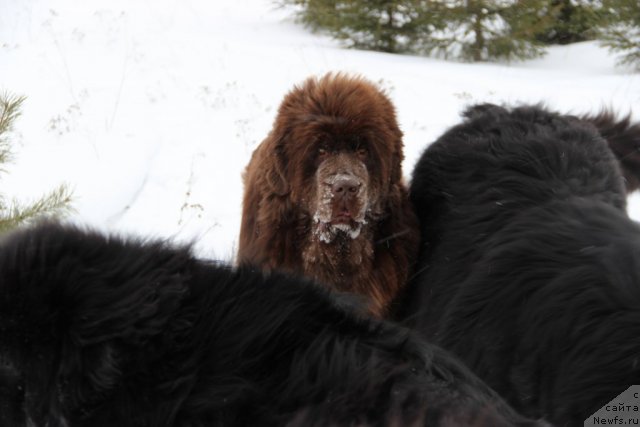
(479, 175)
(529, 268)
(103, 331)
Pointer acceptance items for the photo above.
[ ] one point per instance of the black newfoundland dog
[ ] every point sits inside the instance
(103, 331)
(529, 268)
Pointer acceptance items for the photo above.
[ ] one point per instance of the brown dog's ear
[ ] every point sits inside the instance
(397, 155)
(276, 176)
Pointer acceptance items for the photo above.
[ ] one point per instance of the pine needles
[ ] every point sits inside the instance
(14, 213)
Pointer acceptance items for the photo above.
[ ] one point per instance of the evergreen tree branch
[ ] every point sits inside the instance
(9, 112)
(55, 204)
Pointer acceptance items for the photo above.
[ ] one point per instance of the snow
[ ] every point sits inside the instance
(150, 109)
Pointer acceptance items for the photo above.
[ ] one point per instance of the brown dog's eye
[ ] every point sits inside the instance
(322, 152)
(362, 152)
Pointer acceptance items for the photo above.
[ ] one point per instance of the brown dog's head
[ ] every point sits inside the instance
(339, 152)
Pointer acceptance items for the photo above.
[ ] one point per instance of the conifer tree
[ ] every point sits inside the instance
(14, 213)
(475, 30)
(481, 30)
(622, 32)
(382, 25)
(571, 21)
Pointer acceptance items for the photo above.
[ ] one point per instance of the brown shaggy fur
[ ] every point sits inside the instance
(324, 194)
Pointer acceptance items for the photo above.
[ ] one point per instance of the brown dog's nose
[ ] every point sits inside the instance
(345, 187)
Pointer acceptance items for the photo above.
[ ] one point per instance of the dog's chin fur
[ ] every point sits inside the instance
(327, 232)
(340, 258)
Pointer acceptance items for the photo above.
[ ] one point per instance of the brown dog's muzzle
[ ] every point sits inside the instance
(342, 197)
(345, 204)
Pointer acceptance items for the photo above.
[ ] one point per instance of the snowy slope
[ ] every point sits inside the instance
(150, 109)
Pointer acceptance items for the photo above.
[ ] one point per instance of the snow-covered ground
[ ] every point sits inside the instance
(149, 109)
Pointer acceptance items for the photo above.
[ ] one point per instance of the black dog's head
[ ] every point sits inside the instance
(504, 160)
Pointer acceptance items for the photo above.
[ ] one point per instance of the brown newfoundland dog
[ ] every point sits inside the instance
(324, 194)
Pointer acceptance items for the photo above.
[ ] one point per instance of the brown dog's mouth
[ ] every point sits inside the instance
(343, 217)
(327, 231)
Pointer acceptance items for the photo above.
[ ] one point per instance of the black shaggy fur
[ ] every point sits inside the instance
(623, 137)
(530, 268)
(101, 331)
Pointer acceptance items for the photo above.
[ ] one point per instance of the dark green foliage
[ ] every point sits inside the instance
(382, 25)
(622, 32)
(571, 21)
(481, 30)
(14, 213)
(465, 29)
(475, 30)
